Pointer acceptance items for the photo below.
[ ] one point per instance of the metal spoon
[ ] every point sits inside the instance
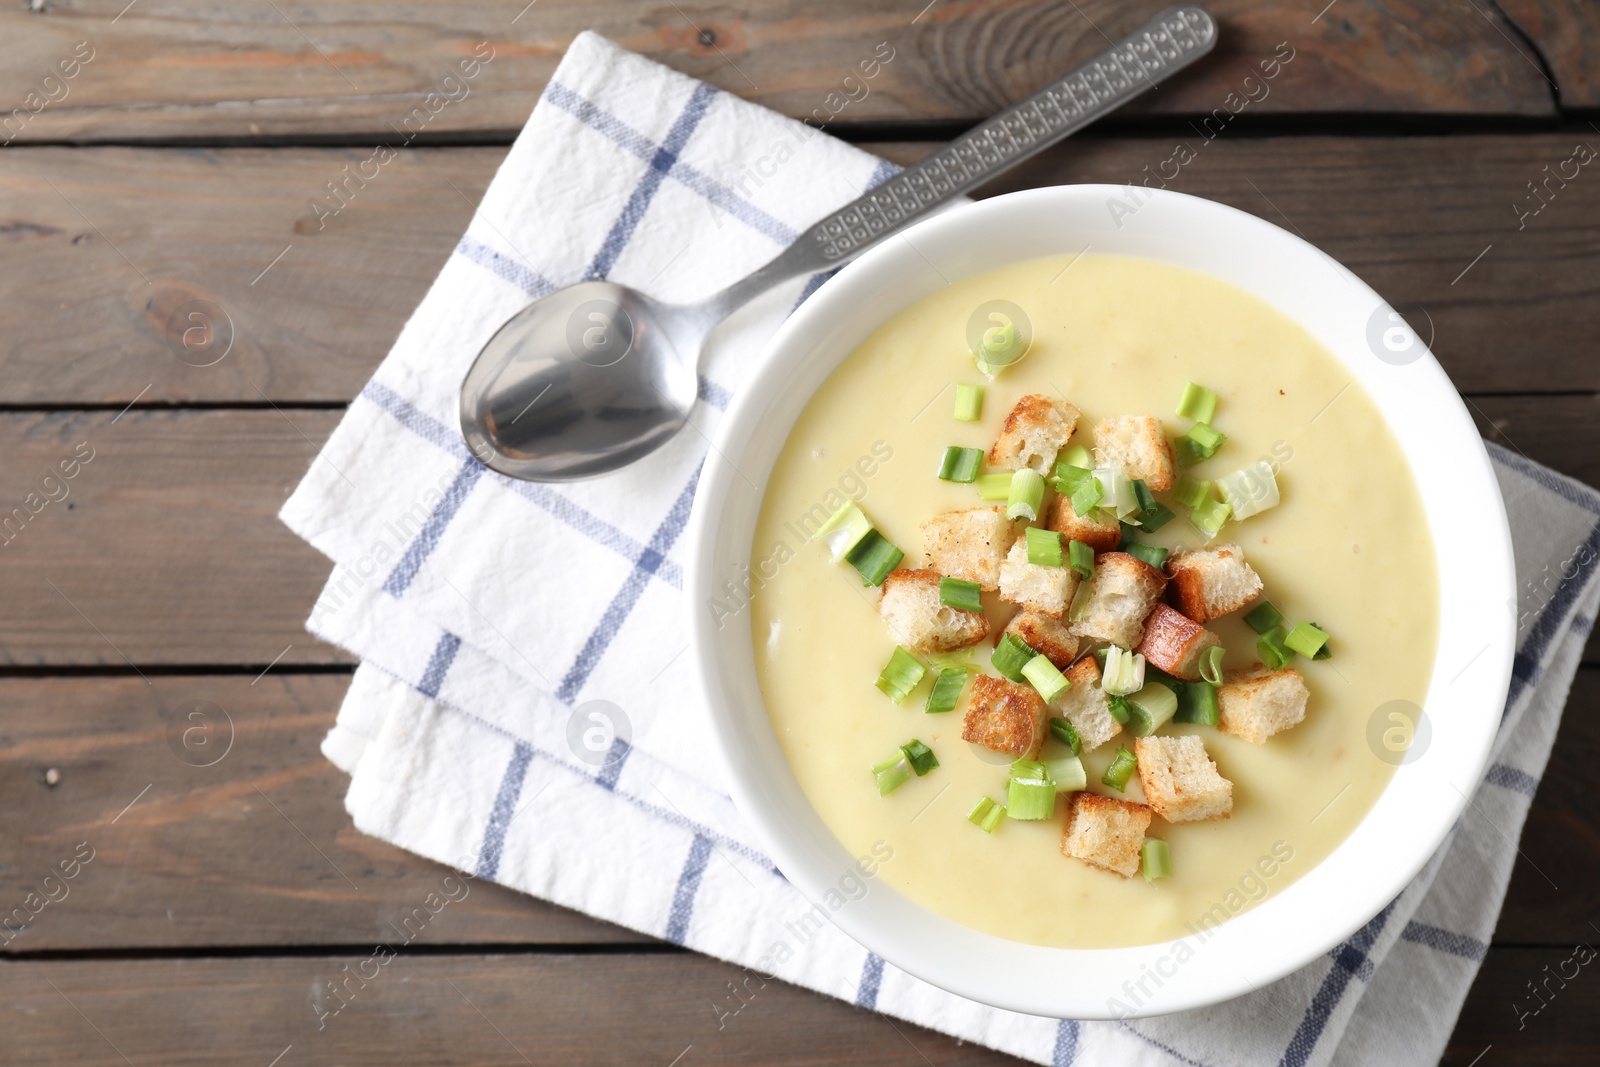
(597, 375)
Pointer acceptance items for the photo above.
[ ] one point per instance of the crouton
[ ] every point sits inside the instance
(1046, 636)
(1260, 702)
(1085, 706)
(1004, 717)
(969, 544)
(1033, 433)
(1181, 783)
(1173, 642)
(1105, 833)
(910, 605)
(1100, 535)
(1210, 582)
(1046, 590)
(1138, 445)
(1122, 593)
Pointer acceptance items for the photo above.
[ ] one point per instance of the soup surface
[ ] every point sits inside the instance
(1347, 547)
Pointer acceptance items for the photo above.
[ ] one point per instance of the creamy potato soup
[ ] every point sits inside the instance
(1346, 547)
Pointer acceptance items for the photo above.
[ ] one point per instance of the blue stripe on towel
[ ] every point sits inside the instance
(1066, 1051)
(494, 835)
(694, 868)
(444, 654)
(660, 163)
(871, 980)
(616, 756)
(427, 538)
(1468, 948)
(1510, 778)
(628, 596)
(514, 271)
(1334, 983)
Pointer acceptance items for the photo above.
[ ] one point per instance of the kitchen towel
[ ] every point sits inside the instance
(522, 711)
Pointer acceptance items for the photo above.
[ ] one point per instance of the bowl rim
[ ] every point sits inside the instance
(1326, 904)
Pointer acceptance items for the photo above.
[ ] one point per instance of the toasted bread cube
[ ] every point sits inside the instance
(1173, 642)
(1005, 717)
(1181, 783)
(1260, 702)
(1210, 582)
(1046, 636)
(1100, 535)
(910, 605)
(1034, 432)
(1138, 445)
(1105, 833)
(1046, 590)
(1085, 706)
(969, 544)
(1122, 593)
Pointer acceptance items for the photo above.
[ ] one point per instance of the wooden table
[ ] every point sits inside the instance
(177, 163)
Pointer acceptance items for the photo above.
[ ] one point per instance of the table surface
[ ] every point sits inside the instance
(1419, 143)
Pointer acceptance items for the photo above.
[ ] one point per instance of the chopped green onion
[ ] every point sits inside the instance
(874, 557)
(1272, 649)
(1156, 517)
(1326, 651)
(992, 818)
(1151, 708)
(900, 675)
(1142, 495)
(1122, 765)
(976, 813)
(1026, 498)
(1123, 672)
(1118, 495)
(1080, 602)
(1306, 639)
(1209, 515)
(1010, 656)
(1199, 443)
(1030, 798)
(920, 756)
(1067, 773)
(959, 593)
(1251, 490)
(946, 691)
(1117, 708)
(1076, 456)
(1190, 491)
(1044, 547)
(843, 530)
(960, 464)
(1026, 768)
(1081, 559)
(969, 402)
(1197, 703)
(1001, 346)
(1045, 678)
(1151, 554)
(1066, 733)
(1198, 403)
(1070, 478)
(1157, 859)
(994, 486)
(1263, 617)
(892, 773)
(1211, 664)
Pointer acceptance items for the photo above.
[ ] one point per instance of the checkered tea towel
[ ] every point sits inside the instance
(490, 613)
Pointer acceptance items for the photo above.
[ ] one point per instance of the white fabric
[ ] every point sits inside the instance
(489, 613)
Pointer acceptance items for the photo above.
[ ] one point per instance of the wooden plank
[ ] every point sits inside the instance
(560, 1010)
(1565, 34)
(84, 327)
(234, 834)
(165, 70)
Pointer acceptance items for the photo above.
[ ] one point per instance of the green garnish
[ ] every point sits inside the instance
(1211, 664)
(1190, 491)
(1151, 554)
(1087, 497)
(969, 402)
(1121, 769)
(1045, 678)
(1197, 703)
(946, 691)
(1157, 859)
(1030, 799)
(843, 531)
(1044, 547)
(1209, 515)
(960, 464)
(1307, 639)
(959, 593)
(892, 773)
(1117, 708)
(874, 557)
(1067, 774)
(1070, 477)
(920, 756)
(900, 675)
(1142, 496)
(1026, 497)
(994, 486)
(1273, 650)
(1199, 443)
(1010, 656)
(1263, 617)
(1063, 731)
(986, 814)
(1198, 403)
(1150, 709)
(1326, 651)
(1001, 346)
(1156, 517)
(1076, 456)
(1080, 557)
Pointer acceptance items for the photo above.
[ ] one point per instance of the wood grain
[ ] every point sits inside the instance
(234, 834)
(1409, 215)
(1566, 1031)
(1565, 34)
(347, 68)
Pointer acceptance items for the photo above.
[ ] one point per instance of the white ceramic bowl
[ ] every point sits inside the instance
(1464, 511)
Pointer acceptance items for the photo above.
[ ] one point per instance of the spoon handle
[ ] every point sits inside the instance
(1164, 45)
